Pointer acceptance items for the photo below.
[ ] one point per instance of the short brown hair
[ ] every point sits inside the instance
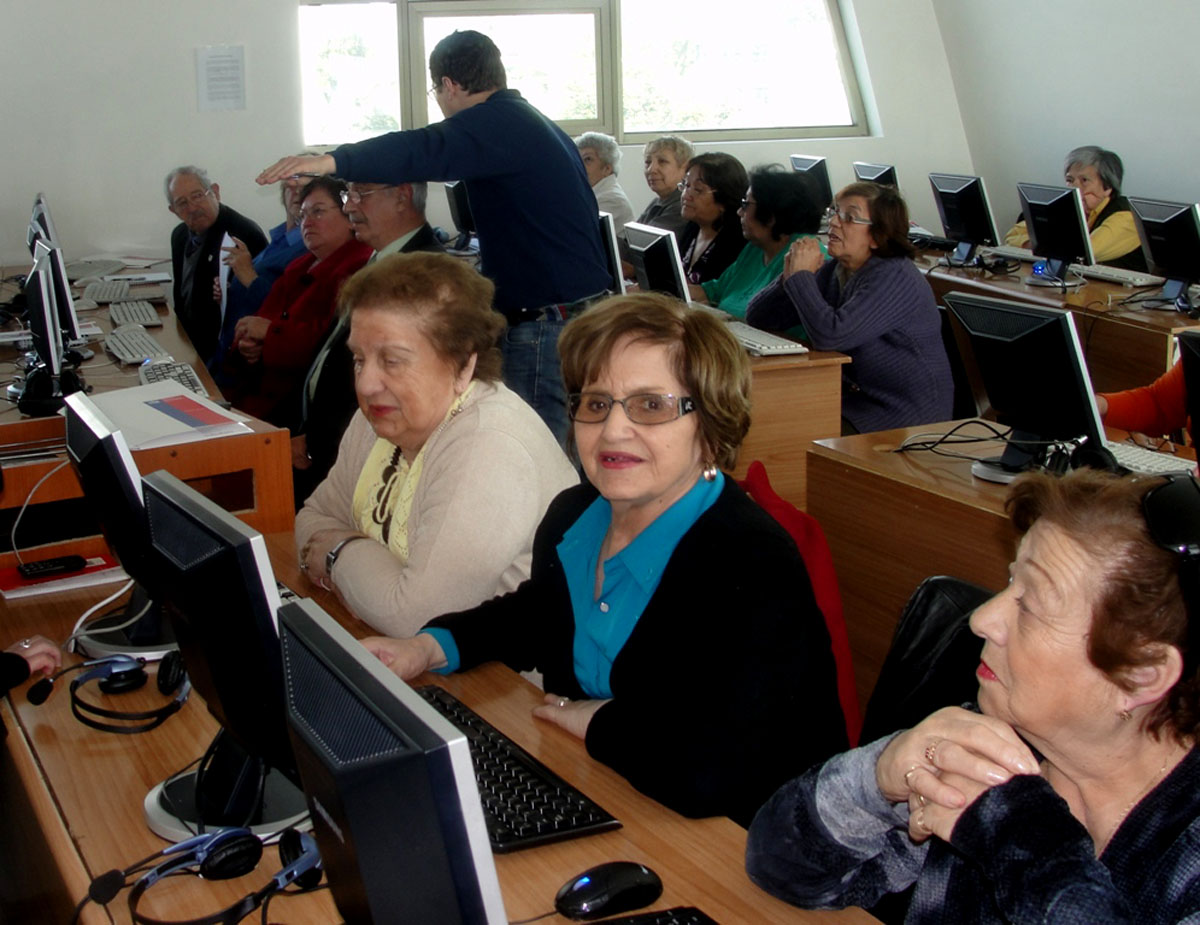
(452, 300)
(889, 217)
(1139, 602)
(708, 359)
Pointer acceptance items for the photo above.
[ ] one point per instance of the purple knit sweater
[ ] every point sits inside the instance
(885, 319)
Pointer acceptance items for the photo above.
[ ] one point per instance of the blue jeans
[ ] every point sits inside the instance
(532, 370)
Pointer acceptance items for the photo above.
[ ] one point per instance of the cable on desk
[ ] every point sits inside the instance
(933, 442)
(272, 895)
(36, 485)
(536, 918)
(80, 630)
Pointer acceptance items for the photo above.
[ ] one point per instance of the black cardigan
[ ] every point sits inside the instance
(726, 686)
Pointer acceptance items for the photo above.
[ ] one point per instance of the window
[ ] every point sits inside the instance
(709, 70)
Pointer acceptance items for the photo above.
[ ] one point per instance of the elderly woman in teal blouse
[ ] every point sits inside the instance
(780, 207)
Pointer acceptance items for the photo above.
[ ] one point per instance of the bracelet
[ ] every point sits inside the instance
(331, 557)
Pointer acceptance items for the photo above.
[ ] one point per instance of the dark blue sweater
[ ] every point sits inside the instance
(536, 216)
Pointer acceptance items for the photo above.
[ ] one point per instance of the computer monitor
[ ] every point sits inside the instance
(1189, 356)
(654, 254)
(612, 252)
(816, 168)
(1027, 365)
(218, 591)
(112, 489)
(391, 785)
(962, 204)
(460, 213)
(46, 380)
(883, 174)
(1170, 233)
(41, 224)
(1058, 231)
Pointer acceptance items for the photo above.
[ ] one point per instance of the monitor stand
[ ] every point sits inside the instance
(237, 790)
(1024, 452)
(964, 255)
(150, 637)
(1051, 272)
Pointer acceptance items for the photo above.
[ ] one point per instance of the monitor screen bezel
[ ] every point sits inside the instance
(612, 251)
(653, 236)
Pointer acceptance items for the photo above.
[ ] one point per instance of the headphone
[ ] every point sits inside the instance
(221, 855)
(118, 674)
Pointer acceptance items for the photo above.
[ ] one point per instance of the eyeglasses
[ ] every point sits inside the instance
(434, 91)
(1172, 513)
(747, 203)
(192, 200)
(844, 217)
(647, 408)
(698, 188)
(358, 195)
(316, 213)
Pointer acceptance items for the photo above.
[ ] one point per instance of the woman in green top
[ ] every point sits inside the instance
(780, 207)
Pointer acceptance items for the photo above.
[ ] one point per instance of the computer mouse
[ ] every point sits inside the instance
(608, 889)
(87, 280)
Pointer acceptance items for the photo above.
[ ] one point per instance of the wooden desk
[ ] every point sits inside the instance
(85, 789)
(1125, 347)
(796, 399)
(250, 474)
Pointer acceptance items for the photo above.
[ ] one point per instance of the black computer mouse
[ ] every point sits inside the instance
(608, 889)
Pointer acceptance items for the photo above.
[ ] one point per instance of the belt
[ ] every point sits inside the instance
(559, 311)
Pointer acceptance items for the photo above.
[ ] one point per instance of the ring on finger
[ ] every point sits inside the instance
(908, 775)
(931, 752)
(563, 701)
(921, 800)
(919, 821)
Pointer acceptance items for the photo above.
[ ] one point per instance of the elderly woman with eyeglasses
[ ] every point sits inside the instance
(673, 619)
(872, 303)
(1073, 795)
(273, 348)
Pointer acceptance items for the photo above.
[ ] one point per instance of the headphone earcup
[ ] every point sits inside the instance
(231, 858)
(120, 682)
(171, 672)
(293, 845)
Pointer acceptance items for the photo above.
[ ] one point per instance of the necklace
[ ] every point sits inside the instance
(1150, 785)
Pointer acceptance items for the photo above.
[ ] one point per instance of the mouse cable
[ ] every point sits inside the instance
(36, 485)
(536, 918)
(79, 629)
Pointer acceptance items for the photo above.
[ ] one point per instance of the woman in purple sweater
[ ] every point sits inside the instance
(871, 303)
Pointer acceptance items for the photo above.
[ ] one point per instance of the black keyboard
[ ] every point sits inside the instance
(679, 915)
(524, 802)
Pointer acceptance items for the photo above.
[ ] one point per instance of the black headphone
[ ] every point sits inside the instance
(221, 855)
(118, 674)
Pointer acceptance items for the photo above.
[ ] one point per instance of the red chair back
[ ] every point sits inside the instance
(810, 540)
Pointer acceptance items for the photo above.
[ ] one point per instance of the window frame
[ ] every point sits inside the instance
(414, 79)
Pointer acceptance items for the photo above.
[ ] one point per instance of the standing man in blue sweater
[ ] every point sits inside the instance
(535, 214)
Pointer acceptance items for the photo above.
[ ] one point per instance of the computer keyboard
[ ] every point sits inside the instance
(710, 310)
(1145, 461)
(524, 802)
(135, 311)
(131, 344)
(1118, 275)
(760, 343)
(79, 269)
(158, 371)
(107, 290)
(677, 915)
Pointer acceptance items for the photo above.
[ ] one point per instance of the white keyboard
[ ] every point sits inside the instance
(710, 310)
(1118, 275)
(79, 269)
(761, 344)
(161, 370)
(135, 311)
(130, 344)
(107, 290)
(1146, 461)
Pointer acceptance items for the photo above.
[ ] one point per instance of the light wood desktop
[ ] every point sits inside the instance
(894, 519)
(249, 473)
(795, 400)
(1125, 346)
(85, 790)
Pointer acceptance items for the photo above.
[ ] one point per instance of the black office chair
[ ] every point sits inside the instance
(933, 657)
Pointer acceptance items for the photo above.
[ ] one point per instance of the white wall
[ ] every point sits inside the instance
(100, 102)
(1036, 79)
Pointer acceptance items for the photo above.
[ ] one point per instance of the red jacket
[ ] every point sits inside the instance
(300, 307)
(1157, 408)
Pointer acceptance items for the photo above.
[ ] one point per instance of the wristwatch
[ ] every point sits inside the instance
(332, 556)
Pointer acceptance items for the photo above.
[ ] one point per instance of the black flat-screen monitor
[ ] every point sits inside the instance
(883, 174)
(460, 213)
(112, 489)
(612, 252)
(1027, 365)
(1058, 231)
(218, 591)
(391, 785)
(654, 254)
(46, 379)
(816, 168)
(41, 224)
(1170, 234)
(962, 204)
(1189, 356)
